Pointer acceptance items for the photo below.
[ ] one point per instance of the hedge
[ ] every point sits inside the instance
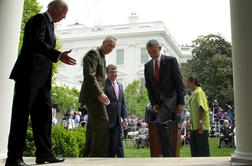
(66, 143)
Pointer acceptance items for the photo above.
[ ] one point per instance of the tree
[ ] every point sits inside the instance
(65, 96)
(31, 7)
(136, 98)
(212, 65)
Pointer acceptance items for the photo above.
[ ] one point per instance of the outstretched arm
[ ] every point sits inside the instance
(65, 58)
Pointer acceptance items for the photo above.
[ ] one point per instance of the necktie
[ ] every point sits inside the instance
(156, 71)
(115, 86)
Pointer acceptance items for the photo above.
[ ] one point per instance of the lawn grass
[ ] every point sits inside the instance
(131, 151)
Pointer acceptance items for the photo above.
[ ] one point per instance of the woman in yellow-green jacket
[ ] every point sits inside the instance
(200, 123)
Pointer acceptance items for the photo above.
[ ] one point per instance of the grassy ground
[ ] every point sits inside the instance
(131, 151)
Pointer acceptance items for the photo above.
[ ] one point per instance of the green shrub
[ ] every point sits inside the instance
(67, 143)
(80, 135)
(30, 147)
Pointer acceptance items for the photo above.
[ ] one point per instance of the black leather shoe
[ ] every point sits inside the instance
(49, 160)
(17, 162)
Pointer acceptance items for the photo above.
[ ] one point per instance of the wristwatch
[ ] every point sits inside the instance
(200, 121)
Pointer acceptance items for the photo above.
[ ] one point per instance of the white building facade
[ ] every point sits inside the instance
(129, 55)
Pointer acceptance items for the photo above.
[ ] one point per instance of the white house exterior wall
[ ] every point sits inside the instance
(131, 38)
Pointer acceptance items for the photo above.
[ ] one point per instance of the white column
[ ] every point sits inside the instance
(241, 25)
(10, 23)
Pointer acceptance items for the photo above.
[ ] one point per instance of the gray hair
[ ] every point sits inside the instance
(153, 43)
(110, 38)
(111, 66)
(57, 3)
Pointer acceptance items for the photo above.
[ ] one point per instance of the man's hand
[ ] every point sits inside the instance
(200, 129)
(67, 59)
(103, 99)
(125, 123)
(155, 108)
(180, 109)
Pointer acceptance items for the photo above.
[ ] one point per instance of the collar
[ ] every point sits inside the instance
(196, 89)
(113, 82)
(159, 58)
(49, 16)
(100, 52)
(158, 61)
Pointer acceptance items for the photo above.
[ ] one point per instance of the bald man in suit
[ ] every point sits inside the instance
(32, 73)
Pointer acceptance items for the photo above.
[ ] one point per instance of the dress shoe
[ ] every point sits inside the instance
(18, 162)
(49, 160)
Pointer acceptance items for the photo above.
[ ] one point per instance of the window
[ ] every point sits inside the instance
(120, 57)
(144, 55)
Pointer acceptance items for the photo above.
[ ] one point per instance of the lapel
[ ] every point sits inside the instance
(119, 90)
(111, 90)
(151, 72)
(161, 67)
(50, 27)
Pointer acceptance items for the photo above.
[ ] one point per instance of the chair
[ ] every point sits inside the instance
(226, 136)
(131, 136)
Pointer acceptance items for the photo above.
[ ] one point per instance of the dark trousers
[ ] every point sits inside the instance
(98, 131)
(115, 142)
(165, 139)
(113, 137)
(165, 117)
(199, 144)
(36, 102)
(120, 148)
(87, 148)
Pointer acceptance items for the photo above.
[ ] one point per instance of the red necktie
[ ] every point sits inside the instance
(156, 71)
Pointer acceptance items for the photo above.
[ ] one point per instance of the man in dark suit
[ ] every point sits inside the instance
(116, 110)
(32, 73)
(93, 96)
(166, 93)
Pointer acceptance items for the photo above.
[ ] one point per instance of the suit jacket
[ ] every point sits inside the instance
(34, 63)
(170, 88)
(117, 108)
(94, 75)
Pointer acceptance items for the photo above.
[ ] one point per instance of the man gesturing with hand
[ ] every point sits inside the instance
(32, 73)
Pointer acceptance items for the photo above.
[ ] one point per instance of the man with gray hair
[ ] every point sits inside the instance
(92, 95)
(166, 94)
(32, 73)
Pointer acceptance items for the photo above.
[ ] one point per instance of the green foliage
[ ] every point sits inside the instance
(30, 147)
(80, 135)
(67, 143)
(212, 65)
(31, 7)
(65, 96)
(136, 98)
